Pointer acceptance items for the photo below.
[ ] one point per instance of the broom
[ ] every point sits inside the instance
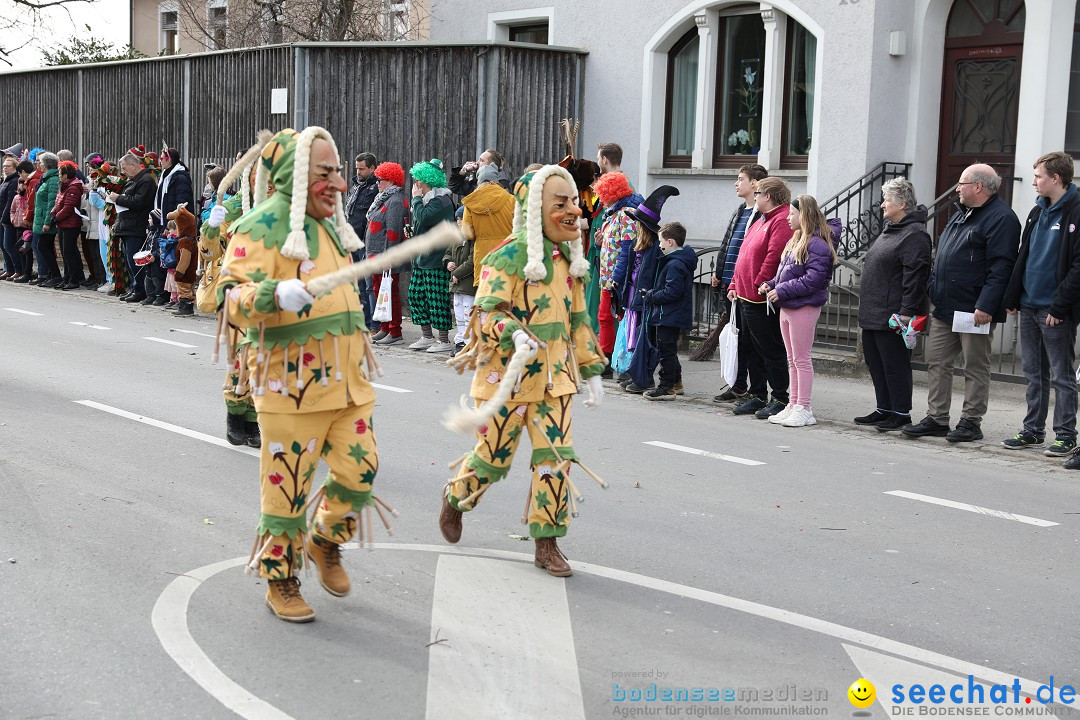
(708, 348)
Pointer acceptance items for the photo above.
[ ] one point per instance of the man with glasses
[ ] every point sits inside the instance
(975, 258)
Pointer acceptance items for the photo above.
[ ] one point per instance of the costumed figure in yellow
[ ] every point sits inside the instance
(531, 344)
(304, 365)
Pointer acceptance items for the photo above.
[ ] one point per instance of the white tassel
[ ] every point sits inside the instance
(468, 420)
(579, 266)
(296, 247)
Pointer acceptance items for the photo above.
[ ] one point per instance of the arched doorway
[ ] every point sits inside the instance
(981, 90)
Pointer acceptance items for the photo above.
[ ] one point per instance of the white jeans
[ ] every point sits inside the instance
(462, 308)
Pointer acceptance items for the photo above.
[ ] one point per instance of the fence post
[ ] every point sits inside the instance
(300, 88)
(481, 98)
(491, 101)
(186, 147)
(81, 153)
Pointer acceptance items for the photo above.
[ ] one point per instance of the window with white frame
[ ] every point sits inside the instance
(168, 24)
(531, 25)
(216, 24)
(740, 78)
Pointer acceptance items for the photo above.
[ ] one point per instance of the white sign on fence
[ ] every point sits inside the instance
(279, 101)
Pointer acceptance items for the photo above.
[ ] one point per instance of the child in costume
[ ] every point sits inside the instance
(304, 362)
(530, 342)
(183, 274)
(459, 263)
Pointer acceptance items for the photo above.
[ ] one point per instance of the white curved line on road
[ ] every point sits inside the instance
(169, 619)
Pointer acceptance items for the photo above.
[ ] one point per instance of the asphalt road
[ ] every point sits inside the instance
(727, 553)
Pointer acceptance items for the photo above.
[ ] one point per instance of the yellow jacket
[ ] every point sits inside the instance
(487, 221)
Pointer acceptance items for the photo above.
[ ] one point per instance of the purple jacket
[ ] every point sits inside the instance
(807, 284)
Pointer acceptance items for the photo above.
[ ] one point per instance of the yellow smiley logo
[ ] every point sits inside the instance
(861, 693)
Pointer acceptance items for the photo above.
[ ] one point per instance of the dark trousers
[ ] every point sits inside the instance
(746, 346)
(768, 362)
(92, 254)
(889, 362)
(47, 264)
(154, 279)
(10, 240)
(666, 340)
(132, 245)
(1048, 358)
(69, 248)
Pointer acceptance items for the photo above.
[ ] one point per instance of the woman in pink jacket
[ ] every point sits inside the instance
(69, 222)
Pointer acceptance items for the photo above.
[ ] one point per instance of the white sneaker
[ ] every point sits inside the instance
(106, 288)
(783, 415)
(440, 347)
(800, 417)
(423, 343)
(390, 340)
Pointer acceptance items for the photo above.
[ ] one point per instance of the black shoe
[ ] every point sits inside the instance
(136, 298)
(251, 428)
(965, 431)
(68, 286)
(184, 308)
(926, 426)
(750, 405)
(608, 373)
(148, 300)
(52, 282)
(769, 410)
(89, 283)
(1063, 447)
(1023, 439)
(171, 304)
(37, 280)
(893, 422)
(21, 279)
(730, 395)
(235, 429)
(1073, 463)
(159, 301)
(659, 393)
(457, 348)
(873, 418)
(631, 387)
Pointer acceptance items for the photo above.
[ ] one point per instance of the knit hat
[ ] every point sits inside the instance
(391, 171)
(488, 173)
(648, 212)
(528, 221)
(138, 151)
(430, 172)
(286, 158)
(94, 160)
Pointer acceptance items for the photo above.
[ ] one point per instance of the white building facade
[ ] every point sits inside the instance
(818, 91)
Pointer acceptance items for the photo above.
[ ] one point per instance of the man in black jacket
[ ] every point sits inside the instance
(1045, 291)
(462, 180)
(361, 195)
(975, 258)
(133, 207)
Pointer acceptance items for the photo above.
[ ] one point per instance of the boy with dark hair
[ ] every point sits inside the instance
(670, 308)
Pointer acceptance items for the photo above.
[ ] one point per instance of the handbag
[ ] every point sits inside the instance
(167, 247)
(729, 349)
(384, 311)
(620, 356)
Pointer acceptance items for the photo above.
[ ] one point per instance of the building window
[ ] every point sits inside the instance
(168, 20)
(739, 82)
(800, 77)
(1072, 117)
(534, 33)
(681, 101)
(215, 26)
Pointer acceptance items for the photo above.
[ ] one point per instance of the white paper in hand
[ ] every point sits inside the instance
(964, 322)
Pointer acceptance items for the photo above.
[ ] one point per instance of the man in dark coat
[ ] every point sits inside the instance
(133, 207)
(364, 189)
(975, 258)
(1045, 291)
(174, 189)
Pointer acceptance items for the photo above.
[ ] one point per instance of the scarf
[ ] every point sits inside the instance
(380, 200)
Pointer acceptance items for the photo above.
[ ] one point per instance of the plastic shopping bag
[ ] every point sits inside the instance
(729, 349)
(620, 357)
(383, 311)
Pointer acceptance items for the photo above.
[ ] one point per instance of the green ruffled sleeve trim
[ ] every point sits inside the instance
(265, 300)
(234, 208)
(356, 498)
(547, 530)
(488, 303)
(208, 232)
(485, 470)
(511, 257)
(550, 331)
(276, 525)
(300, 333)
(545, 455)
(578, 319)
(506, 340)
(588, 371)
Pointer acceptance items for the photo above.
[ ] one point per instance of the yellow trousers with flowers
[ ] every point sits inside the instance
(548, 509)
(292, 444)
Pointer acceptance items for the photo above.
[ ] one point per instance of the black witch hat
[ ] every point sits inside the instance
(648, 212)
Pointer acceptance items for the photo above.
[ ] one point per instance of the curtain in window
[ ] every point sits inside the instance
(802, 74)
(684, 99)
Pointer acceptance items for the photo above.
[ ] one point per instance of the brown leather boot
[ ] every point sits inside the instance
(550, 558)
(284, 600)
(327, 559)
(450, 521)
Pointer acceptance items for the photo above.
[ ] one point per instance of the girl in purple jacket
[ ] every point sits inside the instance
(800, 288)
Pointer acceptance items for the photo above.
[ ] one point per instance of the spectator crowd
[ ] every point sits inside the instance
(116, 228)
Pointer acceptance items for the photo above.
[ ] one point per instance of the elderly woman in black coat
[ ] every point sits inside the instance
(894, 275)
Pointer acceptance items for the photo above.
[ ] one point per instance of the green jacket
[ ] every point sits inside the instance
(426, 215)
(44, 200)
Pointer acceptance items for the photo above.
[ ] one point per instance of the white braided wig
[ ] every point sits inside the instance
(531, 219)
(295, 246)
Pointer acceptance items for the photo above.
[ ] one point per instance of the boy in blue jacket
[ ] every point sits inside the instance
(670, 307)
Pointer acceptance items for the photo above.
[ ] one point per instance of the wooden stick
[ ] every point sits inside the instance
(389, 509)
(374, 368)
(385, 522)
(528, 504)
(475, 496)
(455, 463)
(442, 235)
(591, 474)
(370, 528)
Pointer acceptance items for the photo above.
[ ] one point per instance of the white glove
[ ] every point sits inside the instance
(292, 295)
(523, 341)
(596, 391)
(217, 216)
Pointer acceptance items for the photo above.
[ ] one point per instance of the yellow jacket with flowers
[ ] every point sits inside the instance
(553, 310)
(311, 360)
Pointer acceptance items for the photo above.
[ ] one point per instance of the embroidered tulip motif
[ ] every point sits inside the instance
(521, 410)
(276, 448)
(308, 358)
(361, 426)
(277, 551)
(234, 294)
(493, 378)
(570, 283)
(275, 478)
(306, 267)
(275, 386)
(311, 445)
(483, 429)
(239, 252)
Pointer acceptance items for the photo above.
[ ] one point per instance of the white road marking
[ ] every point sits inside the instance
(390, 388)
(971, 508)
(220, 442)
(190, 332)
(23, 312)
(88, 325)
(168, 342)
(170, 623)
(489, 610)
(704, 453)
(884, 670)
